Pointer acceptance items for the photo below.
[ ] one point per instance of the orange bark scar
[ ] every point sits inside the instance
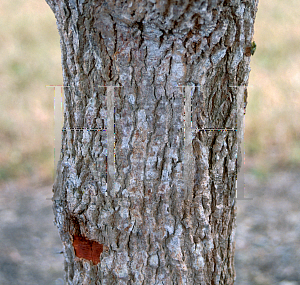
(87, 249)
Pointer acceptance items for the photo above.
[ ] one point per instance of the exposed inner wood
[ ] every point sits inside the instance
(87, 249)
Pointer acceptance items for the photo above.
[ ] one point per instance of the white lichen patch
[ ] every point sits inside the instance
(121, 268)
(153, 260)
(131, 99)
(174, 245)
(124, 212)
(106, 264)
(142, 123)
(199, 263)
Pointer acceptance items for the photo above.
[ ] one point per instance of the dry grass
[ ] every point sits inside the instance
(273, 120)
(30, 60)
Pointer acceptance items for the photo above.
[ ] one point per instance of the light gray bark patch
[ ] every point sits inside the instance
(237, 57)
(217, 56)
(219, 32)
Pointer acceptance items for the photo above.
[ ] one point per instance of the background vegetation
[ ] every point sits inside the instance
(30, 60)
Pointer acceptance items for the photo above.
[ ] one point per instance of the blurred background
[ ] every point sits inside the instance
(267, 247)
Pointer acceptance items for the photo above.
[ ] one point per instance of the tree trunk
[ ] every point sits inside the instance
(167, 213)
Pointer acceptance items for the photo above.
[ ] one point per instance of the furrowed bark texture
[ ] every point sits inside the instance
(152, 227)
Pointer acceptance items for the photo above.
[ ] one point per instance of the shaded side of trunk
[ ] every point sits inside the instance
(151, 226)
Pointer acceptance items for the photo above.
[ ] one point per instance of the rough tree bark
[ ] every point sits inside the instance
(151, 226)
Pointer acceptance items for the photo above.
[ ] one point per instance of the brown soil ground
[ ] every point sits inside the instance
(267, 235)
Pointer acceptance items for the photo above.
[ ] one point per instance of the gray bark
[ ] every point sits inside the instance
(155, 227)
